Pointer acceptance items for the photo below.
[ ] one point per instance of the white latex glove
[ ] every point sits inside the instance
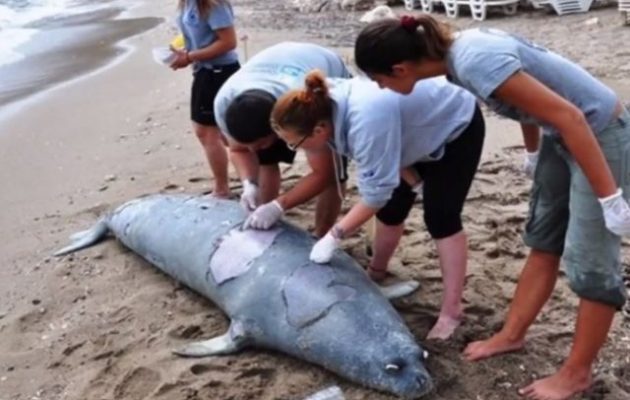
(323, 250)
(417, 188)
(616, 213)
(529, 163)
(249, 195)
(264, 216)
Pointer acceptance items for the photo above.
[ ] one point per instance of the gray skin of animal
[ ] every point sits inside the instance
(331, 315)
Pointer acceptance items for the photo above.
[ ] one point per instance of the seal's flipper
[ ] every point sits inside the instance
(230, 342)
(87, 238)
(400, 289)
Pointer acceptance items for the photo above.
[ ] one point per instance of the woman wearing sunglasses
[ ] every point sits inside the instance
(437, 132)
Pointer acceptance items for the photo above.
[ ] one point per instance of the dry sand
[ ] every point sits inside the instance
(100, 324)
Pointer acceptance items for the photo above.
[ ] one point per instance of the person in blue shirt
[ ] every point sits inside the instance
(242, 109)
(437, 132)
(210, 43)
(578, 208)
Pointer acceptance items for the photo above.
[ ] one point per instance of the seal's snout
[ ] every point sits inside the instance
(425, 384)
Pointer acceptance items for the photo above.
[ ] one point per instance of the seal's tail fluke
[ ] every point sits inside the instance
(87, 238)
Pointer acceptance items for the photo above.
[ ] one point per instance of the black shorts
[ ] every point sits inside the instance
(446, 184)
(205, 86)
(279, 152)
(276, 153)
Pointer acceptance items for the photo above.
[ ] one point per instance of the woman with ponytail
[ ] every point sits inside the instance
(384, 133)
(210, 39)
(579, 208)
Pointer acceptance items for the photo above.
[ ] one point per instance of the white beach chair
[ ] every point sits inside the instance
(563, 7)
(427, 5)
(624, 9)
(538, 4)
(478, 8)
(413, 4)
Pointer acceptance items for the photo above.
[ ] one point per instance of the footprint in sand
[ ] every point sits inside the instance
(138, 384)
(186, 332)
(200, 369)
(263, 373)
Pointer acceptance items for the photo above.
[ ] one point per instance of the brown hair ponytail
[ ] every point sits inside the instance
(387, 42)
(302, 109)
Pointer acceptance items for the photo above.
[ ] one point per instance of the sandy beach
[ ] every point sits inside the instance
(101, 324)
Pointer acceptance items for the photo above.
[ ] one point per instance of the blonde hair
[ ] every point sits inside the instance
(204, 6)
(302, 109)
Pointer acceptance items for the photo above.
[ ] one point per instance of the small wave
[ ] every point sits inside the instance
(10, 42)
(18, 20)
(18, 13)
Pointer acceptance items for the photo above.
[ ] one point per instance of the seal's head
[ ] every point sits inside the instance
(345, 324)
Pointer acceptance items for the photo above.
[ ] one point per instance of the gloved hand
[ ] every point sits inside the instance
(249, 196)
(323, 250)
(264, 216)
(529, 163)
(417, 188)
(616, 213)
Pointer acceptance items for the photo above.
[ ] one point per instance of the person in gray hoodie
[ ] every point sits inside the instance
(437, 133)
(242, 109)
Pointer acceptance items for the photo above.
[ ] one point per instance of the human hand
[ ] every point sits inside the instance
(182, 60)
(616, 213)
(249, 196)
(417, 188)
(324, 249)
(264, 216)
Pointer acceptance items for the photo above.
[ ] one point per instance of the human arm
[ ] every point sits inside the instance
(221, 20)
(321, 176)
(375, 139)
(246, 164)
(533, 97)
(226, 41)
(526, 93)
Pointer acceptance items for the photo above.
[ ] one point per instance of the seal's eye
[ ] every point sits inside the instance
(392, 368)
(395, 366)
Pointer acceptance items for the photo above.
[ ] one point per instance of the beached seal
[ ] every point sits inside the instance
(331, 315)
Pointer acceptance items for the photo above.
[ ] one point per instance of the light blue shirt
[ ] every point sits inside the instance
(480, 60)
(382, 131)
(276, 70)
(199, 32)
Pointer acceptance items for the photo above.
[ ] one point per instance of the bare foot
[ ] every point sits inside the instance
(444, 328)
(377, 275)
(497, 344)
(223, 194)
(562, 385)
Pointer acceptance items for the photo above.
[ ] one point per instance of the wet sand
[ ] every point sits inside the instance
(66, 48)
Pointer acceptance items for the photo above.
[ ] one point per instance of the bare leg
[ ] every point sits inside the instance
(575, 375)
(532, 292)
(327, 209)
(269, 182)
(453, 254)
(216, 154)
(386, 239)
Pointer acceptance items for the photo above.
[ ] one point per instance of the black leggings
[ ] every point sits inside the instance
(446, 184)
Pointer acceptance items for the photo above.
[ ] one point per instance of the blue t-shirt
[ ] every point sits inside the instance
(199, 32)
(480, 60)
(276, 70)
(383, 131)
